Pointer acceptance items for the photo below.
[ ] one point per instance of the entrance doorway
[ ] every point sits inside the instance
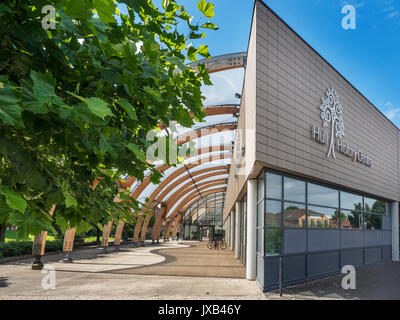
(207, 233)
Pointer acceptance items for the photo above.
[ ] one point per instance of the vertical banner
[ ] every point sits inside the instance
(118, 233)
(106, 234)
(69, 237)
(39, 243)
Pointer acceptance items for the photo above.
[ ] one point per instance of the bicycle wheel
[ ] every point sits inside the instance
(210, 245)
(223, 245)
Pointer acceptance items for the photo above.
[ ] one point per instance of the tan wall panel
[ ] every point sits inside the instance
(290, 80)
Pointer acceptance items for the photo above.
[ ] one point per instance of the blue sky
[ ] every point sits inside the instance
(369, 57)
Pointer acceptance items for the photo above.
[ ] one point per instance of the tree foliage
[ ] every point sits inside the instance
(77, 101)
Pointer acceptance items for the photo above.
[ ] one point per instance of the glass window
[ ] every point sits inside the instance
(294, 190)
(273, 216)
(274, 186)
(259, 240)
(273, 242)
(351, 219)
(373, 221)
(260, 189)
(350, 201)
(319, 217)
(260, 214)
(373, 205)
(294, 215)
(322, 195)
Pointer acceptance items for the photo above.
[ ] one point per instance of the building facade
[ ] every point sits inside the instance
(314, 179)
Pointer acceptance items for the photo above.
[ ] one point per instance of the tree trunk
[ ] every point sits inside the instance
(98, 234)
(3, 229)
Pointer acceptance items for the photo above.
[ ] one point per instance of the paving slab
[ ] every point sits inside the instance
(93, 276)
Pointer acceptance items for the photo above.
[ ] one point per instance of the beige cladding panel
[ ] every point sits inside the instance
(291, 79)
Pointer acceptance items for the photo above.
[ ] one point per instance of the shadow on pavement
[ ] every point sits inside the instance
(3, 282)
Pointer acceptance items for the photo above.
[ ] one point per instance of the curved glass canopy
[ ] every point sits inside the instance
(193, 191)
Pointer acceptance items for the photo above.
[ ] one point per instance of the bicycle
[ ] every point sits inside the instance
(212, 245)
(217, 244)
(223, 245)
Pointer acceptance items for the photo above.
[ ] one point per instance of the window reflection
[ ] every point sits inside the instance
(274, 186)
(373, 205)
(322, 195)
(273, 242)
(351, 219)
(350, 201)
(294, 215)
(273, 214)
(319, 217)
(327, 208)
(373, 221)
(294, 190)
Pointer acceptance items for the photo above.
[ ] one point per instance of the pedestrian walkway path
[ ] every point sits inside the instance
(196, 261)
(170, 270)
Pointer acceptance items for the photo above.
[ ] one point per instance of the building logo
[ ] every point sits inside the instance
(331, 113)
(332, 116)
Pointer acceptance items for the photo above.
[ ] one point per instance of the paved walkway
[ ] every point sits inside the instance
(169, 271)
(195, 261)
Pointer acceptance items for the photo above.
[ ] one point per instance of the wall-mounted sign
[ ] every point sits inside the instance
(332, 116)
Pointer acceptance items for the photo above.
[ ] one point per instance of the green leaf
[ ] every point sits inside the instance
(203, 51)
(30, 223)
(100, 29)
(204, 74)
(29, 100)
(152, 49)
(106, 10)
(129, 109)
(62, 223)
(184, 118)
(83, 226)
(194, 35)
(138, 153)
(209, 25)
(10, 111)
(206, 8)
(99, 107)
(192, 53)
(78, 9)
(43, 86)
(178, 62)
(13, 199)
(154, 93)
(4, 9)
(165, 4)
(70, 201)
